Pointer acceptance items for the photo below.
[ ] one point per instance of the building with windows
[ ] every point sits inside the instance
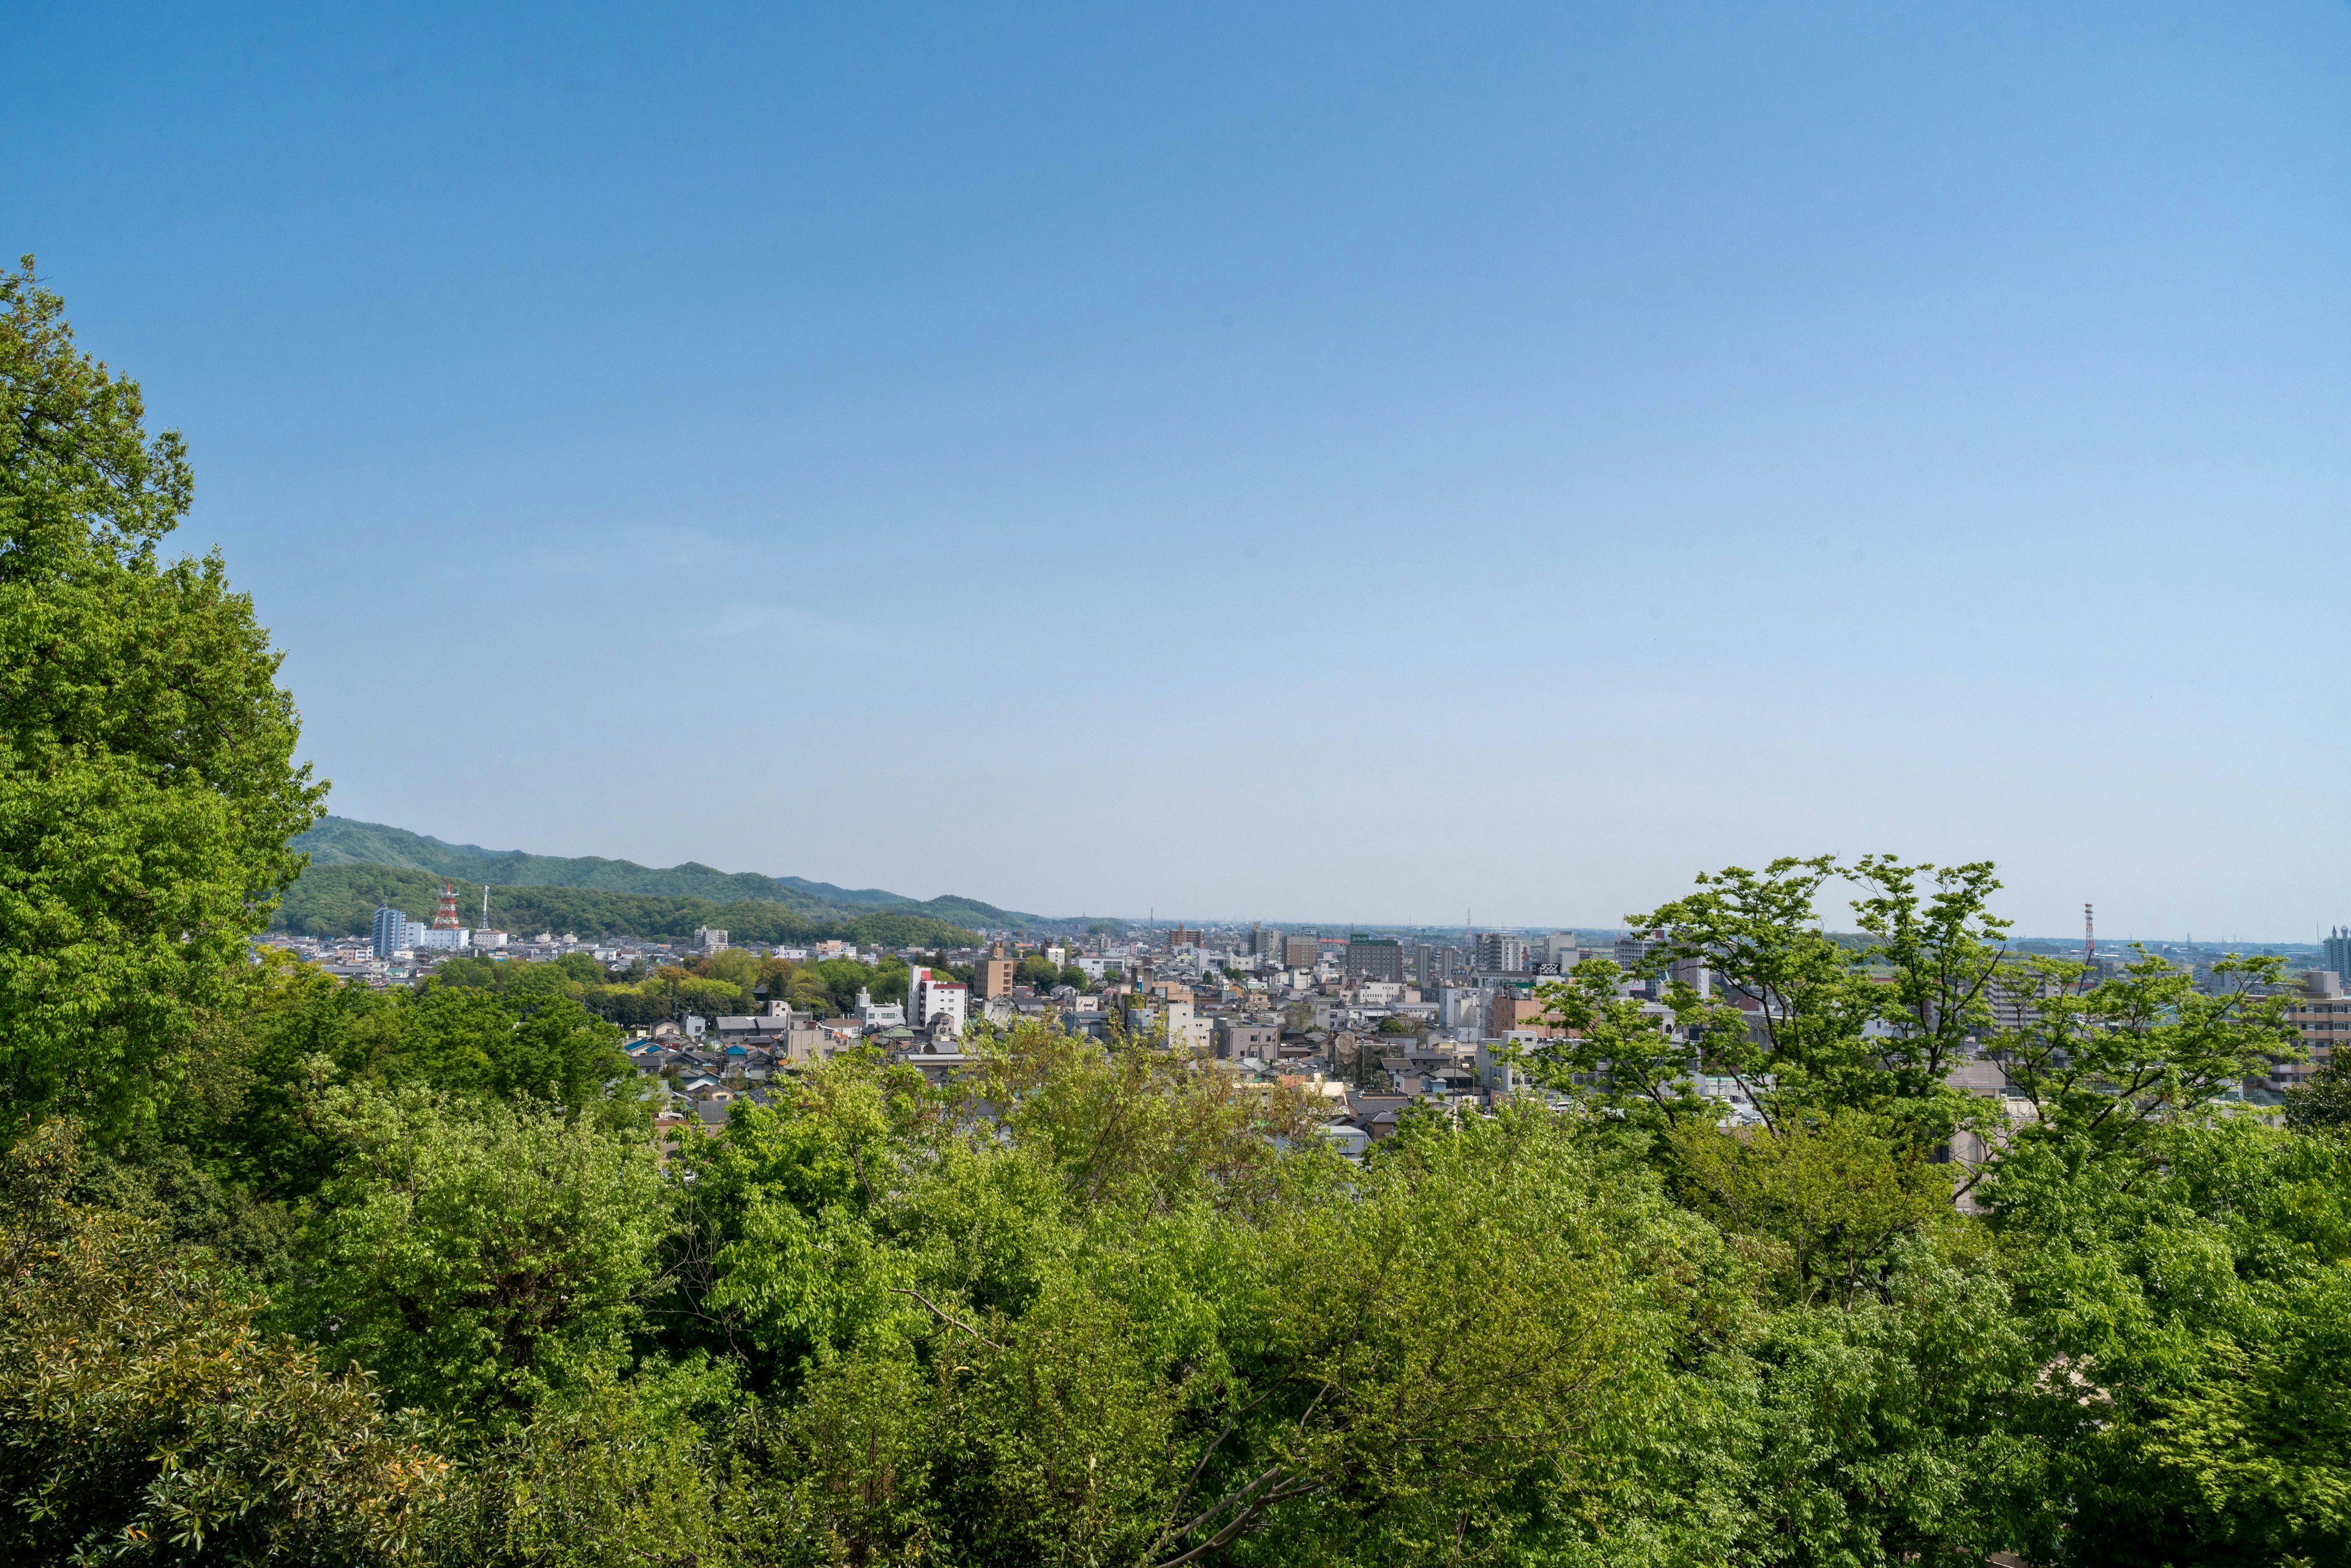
(2322, 1016)
(1501, 953)
(1511, 1010)
(395, 932)
(992, 976)
(931, 996)
(1374, 958)
(1300, 951)
(2337, 949)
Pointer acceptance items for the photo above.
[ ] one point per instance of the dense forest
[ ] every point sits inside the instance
(339, 841)
(299, 1271)
(341, 900)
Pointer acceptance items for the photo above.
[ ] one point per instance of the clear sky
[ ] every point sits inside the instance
(1334, 461)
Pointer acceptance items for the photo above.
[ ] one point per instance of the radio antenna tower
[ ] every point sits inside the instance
(2089, 936)
(444, 915)
(485, 906)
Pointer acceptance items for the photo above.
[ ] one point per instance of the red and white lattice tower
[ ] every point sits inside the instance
(445, 918)
(2089, 936)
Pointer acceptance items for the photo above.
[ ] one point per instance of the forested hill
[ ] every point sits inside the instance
(344, 853)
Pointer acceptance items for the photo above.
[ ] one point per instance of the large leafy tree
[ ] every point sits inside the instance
(144, 1419)
(147, 777)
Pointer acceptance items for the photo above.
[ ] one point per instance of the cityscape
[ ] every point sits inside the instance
(1538, 787)
(1362, 1023)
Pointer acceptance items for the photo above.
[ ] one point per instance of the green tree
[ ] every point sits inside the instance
(475, 1255)
(145, 1418)
(2107, 1062)
(147, 780)
(1823, 1024)
(2188, 1296)
(2325, 1101)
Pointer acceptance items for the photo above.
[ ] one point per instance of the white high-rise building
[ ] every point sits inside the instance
(928, 995)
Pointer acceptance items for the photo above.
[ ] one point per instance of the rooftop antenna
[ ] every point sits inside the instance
(2089, 936)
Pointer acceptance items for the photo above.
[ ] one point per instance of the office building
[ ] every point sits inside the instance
(2322, 1016)
(1501, 953)
(395, 932)
(1513, 1010)
(2337, 949)
(1374, 958)
(992, 976)
(1300, 952)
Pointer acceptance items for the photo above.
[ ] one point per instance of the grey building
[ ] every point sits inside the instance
(1374, 958)
(1502, 952)
(1235, 1039)
(1429, 963)
(2337, 951)
(395, 930)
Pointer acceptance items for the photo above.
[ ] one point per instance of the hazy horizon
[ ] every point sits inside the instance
(1288, 456)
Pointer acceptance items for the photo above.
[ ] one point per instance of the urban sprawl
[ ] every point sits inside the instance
(1361, 1025)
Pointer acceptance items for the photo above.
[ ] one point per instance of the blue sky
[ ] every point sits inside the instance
(1311, 462)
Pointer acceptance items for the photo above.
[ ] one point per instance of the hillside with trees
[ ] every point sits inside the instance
(341, 900)
(303, 1271)
(339, 844)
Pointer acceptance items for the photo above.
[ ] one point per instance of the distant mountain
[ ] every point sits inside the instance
(341, 842)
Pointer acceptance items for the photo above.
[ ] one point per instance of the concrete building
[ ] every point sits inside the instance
(930, 996)
(2336, 951)
(1512, 1010)
(1502, 952)
(1430, 963)
(709, 939)
(991, 977)
(1462, 1006)
(1300, 951)
(1560, 951)
(1374, 958)
(395, 932)
(2322, 1015)
(1236, 1040)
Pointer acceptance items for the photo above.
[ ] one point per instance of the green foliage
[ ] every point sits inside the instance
(339, 840)
(2106, 1064)
(144, 1418)
(2189, 1301)
(1826, 1024)
(1829, 1198)
(475, 1255)
(2324, 1102)
(147, 783)
(341, 900)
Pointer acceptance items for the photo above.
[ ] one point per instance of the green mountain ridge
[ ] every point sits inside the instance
(341, 842)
